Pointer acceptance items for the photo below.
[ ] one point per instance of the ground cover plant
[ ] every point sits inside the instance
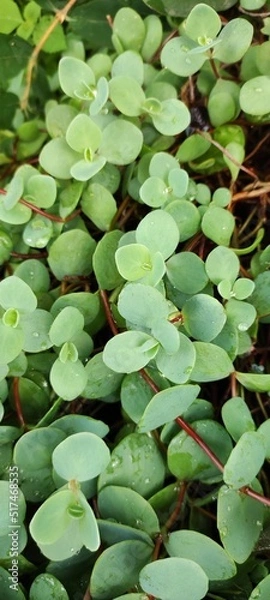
(134, 300)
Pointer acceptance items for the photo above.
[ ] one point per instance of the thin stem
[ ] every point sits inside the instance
(226, 153)
(108, 313)
(249, 492)
(197, 438)
(59, 18)
(174, 516)
(251, 194)
(17, 402)
(50, 414)
(38, 210)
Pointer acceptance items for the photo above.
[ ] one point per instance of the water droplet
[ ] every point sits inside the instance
(187, 61)
(242, 327)
(258, 523)
(147, 480)
(223, 532)
(258, 90)
(35, 334)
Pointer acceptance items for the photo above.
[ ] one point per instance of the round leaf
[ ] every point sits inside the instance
(204, 317)
(121, 142)
(57, 158)
(127, 95)
(218, 225)
(159, 232)
(136, 463)
(173, 118)
(128, 507)
(237, 417)
(65, 326)
(76, 78)
(71, 254)
(129, 351)
(245, 460)
(204, 551)
(167, 405)
(117, 568)
(239, 520)
(222, 264)
(254, 95)
(186, 272)
(46, 586)
(15, 293)
(174, 579)
(88, 456)
(212, 363)
(68, 379)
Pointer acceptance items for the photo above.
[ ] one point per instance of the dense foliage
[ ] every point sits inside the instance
(134, 300)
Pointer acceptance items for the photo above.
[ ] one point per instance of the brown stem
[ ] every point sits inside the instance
(59, 18)
(174, 516)
(226, 153)
(197, 438)
(17, 402)
(108, 313)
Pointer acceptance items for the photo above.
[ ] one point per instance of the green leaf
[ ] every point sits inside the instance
(129, 64)
(104, 263)
(234, 40)
(56, 41)
(177, 367)
(45, 586)
(202, 550)
(57, 158)
(99, 205)
(15, 53)
(15, 293)
(239, 520)
(153, 37)
(68, 379)
(262, 590)
(10, 594)
(238, 153)
(193, 147)
(83, 134)
(81, 448)
(154, 192)
(136, 463)
(129, 351)
(240, 313)
(222, 264)
(133, 261)
(173, 118)
(254, 382)
(159, 232)
(126, 95)
(32, 456)
(41, 191)
(202, 24)
(117, 569)
(135, 395)
(121, 142)
(245, 460)
(38, 232)
(136, 303)
(237, 417)
(129, 29)
(260, 297)
(10, 16)
(218, 225)
(101, 381)
(254, 95)
(204, 317)
(65, 326)
(186, 579)
(36, 331)
(187, 461)
(167, 405)
(5, 501)
(179, 269)
(128, 507)
(263, 430)
(71, 254)
(212, 363)
(76, 78)
(58, 118)
(177, 56)
(186, 216)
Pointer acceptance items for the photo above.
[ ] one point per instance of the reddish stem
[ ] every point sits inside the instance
(174, 516)
(108, 313)
(17, 402)
(215, 460)
(44, 213)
